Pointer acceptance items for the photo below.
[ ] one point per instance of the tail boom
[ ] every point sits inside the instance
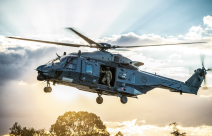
(192, 85)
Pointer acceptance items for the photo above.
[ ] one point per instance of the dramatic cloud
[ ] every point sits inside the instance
(132, 39)
(130, 128)
(15, 61)
(19, 57)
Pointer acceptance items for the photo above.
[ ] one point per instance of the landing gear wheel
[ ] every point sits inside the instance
(123, 99)
(47, 89)
(99, 100)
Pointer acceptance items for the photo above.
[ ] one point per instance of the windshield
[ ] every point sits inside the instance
(57, 60)
(61, 61)
(49, 63)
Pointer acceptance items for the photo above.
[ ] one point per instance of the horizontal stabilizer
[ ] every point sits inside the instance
(137, 63)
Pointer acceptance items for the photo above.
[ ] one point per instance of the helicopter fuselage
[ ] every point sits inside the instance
(84, 73)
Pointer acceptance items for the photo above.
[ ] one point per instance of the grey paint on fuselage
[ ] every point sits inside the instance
(107, 57)
(127, 81)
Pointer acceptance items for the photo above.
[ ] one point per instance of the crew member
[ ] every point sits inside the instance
(107, 77)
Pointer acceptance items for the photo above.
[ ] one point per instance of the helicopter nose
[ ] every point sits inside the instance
(44, 72)
(40, 68)
(41, 77)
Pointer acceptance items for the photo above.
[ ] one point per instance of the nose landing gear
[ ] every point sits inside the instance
(48, 89)
(99, 99)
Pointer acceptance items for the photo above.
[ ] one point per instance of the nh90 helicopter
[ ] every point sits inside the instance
(83, 71)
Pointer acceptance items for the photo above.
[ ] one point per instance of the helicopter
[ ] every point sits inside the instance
(83, 70)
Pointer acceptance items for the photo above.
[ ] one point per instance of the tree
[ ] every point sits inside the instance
(15, 129)
(176, 131)
(28, 131)
(41, 132)
(119, 134)
(78, 123)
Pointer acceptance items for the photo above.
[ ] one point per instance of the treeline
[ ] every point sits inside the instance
(75, 124)
(70, 124)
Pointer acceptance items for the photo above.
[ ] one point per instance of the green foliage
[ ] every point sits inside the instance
(119, 134)
(16, 130)
(176, 131)
(78, 123)
(28, 131)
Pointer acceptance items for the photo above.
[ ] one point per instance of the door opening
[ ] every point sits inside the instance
(113, 71)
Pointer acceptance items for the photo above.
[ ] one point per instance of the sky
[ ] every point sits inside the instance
(120, 22)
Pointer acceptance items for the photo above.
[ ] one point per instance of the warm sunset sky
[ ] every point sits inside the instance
(120, 22)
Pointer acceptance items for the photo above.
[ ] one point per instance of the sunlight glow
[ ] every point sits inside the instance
(64, 93)
(129, 128)
(22, 83)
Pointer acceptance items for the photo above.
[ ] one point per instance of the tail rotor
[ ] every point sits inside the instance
(204, 71)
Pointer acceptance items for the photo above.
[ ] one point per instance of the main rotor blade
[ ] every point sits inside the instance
(83, 37)
(155, 45)
(58, 43)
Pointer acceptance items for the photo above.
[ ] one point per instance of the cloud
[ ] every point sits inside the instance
(208, 20)
(201, 33)
(131, 39)
(131, 128)
(195, 32)
(206, 96)
(15, 61)
(15, 48)
(19, 57)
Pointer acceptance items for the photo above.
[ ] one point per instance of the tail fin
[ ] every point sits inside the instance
(195, 81)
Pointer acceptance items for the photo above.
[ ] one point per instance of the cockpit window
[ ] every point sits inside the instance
(61, 61)
(56, 61)
(49, 63)
(71, 63)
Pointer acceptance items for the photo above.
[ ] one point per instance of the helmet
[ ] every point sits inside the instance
(108, 68)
